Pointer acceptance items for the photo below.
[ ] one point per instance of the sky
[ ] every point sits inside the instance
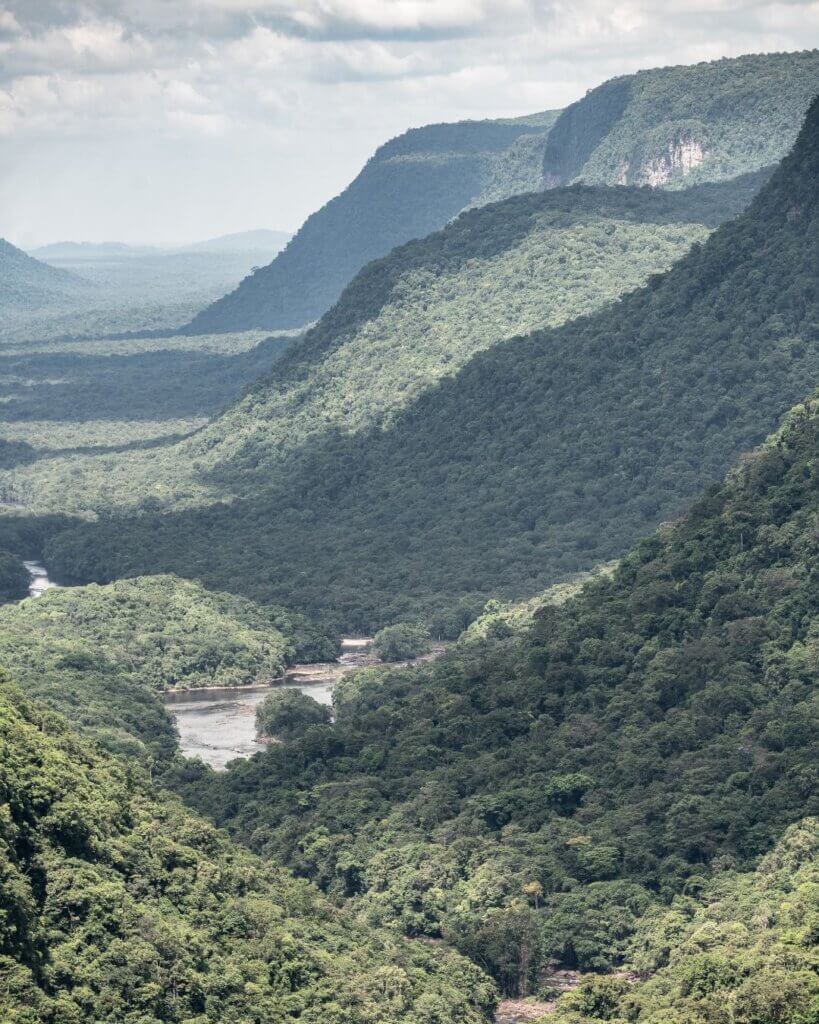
(170, 121)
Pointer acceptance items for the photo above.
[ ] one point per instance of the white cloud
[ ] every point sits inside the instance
(291, 96)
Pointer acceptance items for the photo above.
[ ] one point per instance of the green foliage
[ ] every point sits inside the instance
(287, 714)
(539, 797)
(401, 642)
(14, 577)
(744, 111)
(542, 456)
(103, 655)
(412, 185)
(118, 905)
(678, 125)
(742, 951)
(405, 323)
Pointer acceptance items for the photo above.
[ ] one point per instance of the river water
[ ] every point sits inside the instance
(219, 725)
(40, 582)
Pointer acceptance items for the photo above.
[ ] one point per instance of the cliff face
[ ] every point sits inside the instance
(683, 154)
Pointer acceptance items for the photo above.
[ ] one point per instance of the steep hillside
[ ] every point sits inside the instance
(28, 285)
(404, 323)
(543, 455)
(739, 949)
(668, 126)
(675, 126)
(538, 795)
(412, 185)
(418, 315)
(117, 905)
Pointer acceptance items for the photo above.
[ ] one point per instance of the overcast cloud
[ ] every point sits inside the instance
(174, 120)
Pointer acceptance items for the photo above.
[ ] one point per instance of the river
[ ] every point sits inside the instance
(40, 582)
(219, 725)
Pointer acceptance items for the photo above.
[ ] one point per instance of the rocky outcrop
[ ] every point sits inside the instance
(682, 154)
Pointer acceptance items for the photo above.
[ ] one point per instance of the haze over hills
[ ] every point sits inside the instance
(540, 456)
(412, 185)
(29, 285)
(138, 287)
(259, 240)
(668, 126)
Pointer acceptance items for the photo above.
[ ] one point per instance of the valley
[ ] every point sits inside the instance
(415, 619)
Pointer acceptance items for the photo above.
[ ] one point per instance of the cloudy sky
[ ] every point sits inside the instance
(174, 120)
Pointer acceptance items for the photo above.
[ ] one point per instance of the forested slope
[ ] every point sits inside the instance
(118, 905)
(679, 125)
(412, 185)
(668, 126)
(417, 316)
(405, 322)
(28, 285)
(537, 797)
(543, 455)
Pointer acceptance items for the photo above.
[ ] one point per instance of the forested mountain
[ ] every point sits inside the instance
(674, 126)
(27, 284)
(412, 185)
(564, 794)
(119, 905)
(668, 126)
(405, 322)
(543, 455)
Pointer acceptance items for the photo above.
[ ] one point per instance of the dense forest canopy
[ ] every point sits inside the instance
(119, 905)
(680, 125)
(668, 126)
(539, 795)
(406, 322)
(602, 795)
(541, 456)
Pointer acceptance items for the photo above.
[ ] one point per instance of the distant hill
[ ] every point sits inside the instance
(412, 185)
(145, 287)
(680, 125)
(668, 126)
(28, 284)
(261, 240)
(59, 251)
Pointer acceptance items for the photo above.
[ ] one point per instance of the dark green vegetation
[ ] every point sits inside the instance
(541, 456)
(412, 185)
(118, 905)
(406, 321)
(103, 655)
(710, 121)
(574, 792)
(14, 578)
(286, 714)
(674, 126)
(402, 641)
(742, 949)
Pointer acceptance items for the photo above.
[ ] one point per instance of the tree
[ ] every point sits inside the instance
(287, 713)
